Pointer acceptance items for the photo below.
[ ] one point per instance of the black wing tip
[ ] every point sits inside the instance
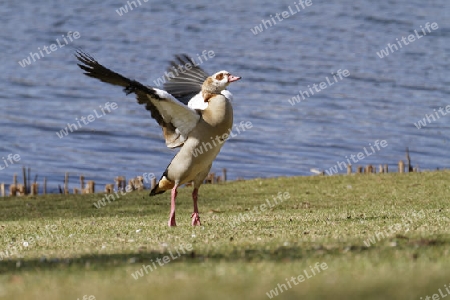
(94, 69)
(184, 58)
(85, 67)
(81, 54)
(87, 62)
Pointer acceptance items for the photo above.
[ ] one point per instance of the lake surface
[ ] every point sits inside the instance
(380, 99)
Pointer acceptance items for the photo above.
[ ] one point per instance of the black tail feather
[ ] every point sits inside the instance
(154, 191)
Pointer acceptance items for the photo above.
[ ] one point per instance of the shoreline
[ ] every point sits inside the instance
(146, 182)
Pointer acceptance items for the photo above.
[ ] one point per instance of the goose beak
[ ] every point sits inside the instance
(232, 78)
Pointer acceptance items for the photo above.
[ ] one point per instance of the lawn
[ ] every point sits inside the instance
(377, 236)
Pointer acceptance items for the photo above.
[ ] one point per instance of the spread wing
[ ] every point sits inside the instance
(176, 119)
(185, 78)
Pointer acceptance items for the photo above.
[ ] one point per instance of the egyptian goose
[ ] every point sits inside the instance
(194, 112)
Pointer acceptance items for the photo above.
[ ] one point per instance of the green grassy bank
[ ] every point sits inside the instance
(384, 236)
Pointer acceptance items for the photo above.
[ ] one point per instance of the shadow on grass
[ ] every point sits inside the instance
(281, 254)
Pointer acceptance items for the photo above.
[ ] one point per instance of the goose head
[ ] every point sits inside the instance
(216, 83)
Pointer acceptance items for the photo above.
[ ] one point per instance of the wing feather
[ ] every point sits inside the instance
(176, 119)
(187, 79)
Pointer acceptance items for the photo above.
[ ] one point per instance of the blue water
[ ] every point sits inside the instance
(380, 100)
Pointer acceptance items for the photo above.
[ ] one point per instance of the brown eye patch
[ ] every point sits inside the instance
(219, 76)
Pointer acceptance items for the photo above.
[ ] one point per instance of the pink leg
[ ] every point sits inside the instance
(195, 217)
(172, 206)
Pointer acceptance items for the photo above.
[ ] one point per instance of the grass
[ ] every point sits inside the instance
(75, 249)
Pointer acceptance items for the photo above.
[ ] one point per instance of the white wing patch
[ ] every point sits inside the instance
(183, 118)
(227, 94)
(197, 102)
